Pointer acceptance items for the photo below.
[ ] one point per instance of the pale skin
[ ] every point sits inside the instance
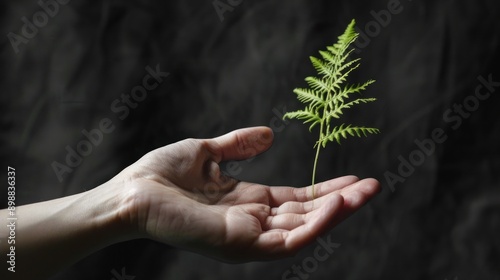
(178, 195)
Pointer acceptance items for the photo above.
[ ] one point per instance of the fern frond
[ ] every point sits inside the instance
(321, 66)
(344, 57)
(341, 48)
(328, 95)
(339, 107)
(353, 64)
(343, 131)
(349, 89)
(310, 96)
(307, 115)
(328, 57)
(340, 77)
(345, 40)
(318, 84)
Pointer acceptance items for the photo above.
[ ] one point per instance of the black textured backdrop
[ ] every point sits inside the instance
(237, 69)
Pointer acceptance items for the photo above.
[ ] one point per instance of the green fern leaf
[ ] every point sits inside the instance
(329, 94)
(321, 66)
(318, 84)
(307, 116)
(343, 131)
(349, 89)
(338, 108)
(328, 56)
(309, 96)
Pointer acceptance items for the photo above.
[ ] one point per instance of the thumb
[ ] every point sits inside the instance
(242, 143)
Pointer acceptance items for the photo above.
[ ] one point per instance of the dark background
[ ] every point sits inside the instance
(442, 222)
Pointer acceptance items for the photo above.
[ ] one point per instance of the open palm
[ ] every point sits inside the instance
(179, 196)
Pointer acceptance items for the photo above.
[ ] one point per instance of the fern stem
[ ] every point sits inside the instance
(314, 170)
(317, 154)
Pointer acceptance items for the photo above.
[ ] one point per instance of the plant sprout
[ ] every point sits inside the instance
(329, 94)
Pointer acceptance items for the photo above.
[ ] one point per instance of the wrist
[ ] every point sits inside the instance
(109, 212)
(69, 228)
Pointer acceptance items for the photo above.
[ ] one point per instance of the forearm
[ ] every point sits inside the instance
(54, 234)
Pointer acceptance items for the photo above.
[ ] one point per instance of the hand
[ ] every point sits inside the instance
(178, 195)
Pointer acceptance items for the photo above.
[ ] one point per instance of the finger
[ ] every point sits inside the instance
(330, 186)
(317, 224)
(367, 187)
(355, 196)
(286, 242)
(294, 207)
(242, 143)
(280, 195)
(291, 220)
(287, 221)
